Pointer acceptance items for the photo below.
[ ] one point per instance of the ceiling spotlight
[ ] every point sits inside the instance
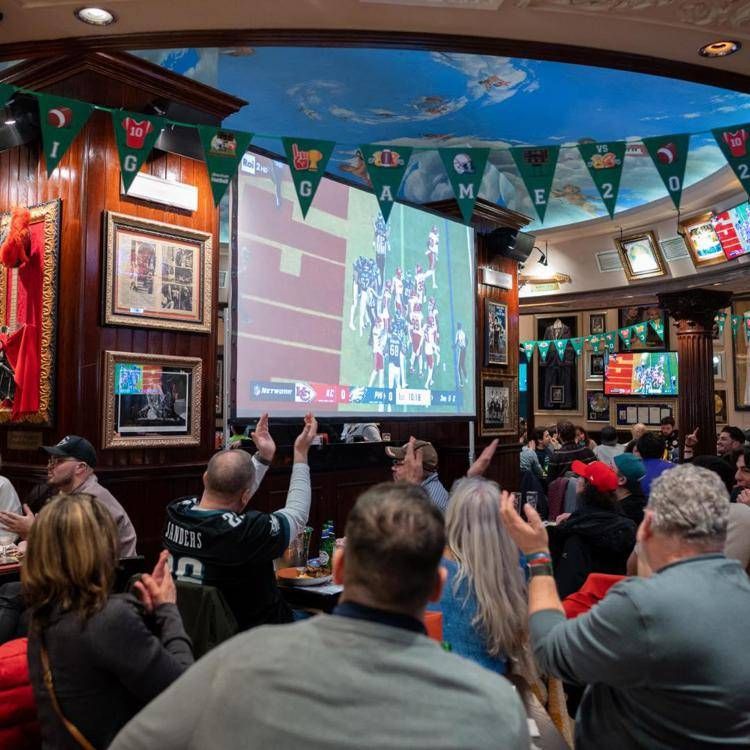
(722, 48)
(543, 258)
(9, 122)
(95, 16)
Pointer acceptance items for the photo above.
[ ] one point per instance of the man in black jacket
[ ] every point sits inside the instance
(562, 459)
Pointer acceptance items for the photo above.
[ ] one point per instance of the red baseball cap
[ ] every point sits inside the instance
(598, 473)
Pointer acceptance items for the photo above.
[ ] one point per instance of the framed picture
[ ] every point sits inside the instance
(28, 304)
(597, 322)
(219, 390)
(499, 406)
(557, 375)
(640, 255)
(608, 261)
(157, 275)
(720, 406)
(741, 358)
(627, 412)
(674, 248)
(597, 406)
(594, 366)
(718, 362)
(702, 241)
(628, 316)
(496, 333)
(151, 400)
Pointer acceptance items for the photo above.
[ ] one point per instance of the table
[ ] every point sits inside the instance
(323, 598)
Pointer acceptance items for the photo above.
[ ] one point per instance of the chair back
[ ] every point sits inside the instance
(128, 567)
(207, 618)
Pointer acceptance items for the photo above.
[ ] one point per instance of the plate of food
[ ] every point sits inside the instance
(309, 575)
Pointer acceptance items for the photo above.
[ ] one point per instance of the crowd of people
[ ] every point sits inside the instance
(623, 577)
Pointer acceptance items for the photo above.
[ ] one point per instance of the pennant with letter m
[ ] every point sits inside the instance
(604, 162)
(307, 163)
(465, 169)
(537, 168)
(735, 145)
(60, 120)
(669, 154)
(385, 167)
(135, 134)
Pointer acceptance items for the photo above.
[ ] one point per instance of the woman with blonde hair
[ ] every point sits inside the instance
(484, 604)
(95, 658)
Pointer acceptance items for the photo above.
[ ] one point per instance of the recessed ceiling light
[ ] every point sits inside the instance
(722, 48)
(9, 122)
(95, 16)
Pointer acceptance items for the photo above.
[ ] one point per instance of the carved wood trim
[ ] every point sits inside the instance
(486, 217)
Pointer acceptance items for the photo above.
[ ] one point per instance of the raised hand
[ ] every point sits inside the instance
(305, 438)
(412, 470)
(744, 497)
(263, 440)
(691, 440)
(18, 524)
(158, 588)
(529, 537)
(482, 463)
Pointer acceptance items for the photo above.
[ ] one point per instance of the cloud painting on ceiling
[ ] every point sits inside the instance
(423, 99)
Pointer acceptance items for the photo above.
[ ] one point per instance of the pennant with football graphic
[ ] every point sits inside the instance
(528, 349)
(736, 324)
(537, 168)
(223, 150)
(465, 169)
(308, 159)
(135, 134)
(720, 319)
(543, 349)
(658, 326)
(641, 331)
(669, 154)
(626, 334)
(385, 167)
(60, 120)
(611, 338)
(577, 345)
(604, 162)
(734, 143)
(596, 343)
(561, 345)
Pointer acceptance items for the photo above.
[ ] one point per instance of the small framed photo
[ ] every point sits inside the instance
(594, 366)
(718, 362)
(640, 255)
(499, 407)
(702, 241)
(597, 323)
(151, 400)
(496, 333)
(597, 406)
(720, 406)
(557, 394)
(219, 389)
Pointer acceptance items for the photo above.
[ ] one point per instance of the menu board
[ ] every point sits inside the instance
(733, 230)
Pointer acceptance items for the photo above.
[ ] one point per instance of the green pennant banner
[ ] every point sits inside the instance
(577, 345)
(528, 348)
(223, 150)
(669, 154)
(385, 167)
(561, 345)
(60, 121)
(543, 349)
(307, 162)
(611, 338)
(596, 343)
(720, 319)
(736, 324)
(626, 334)
(604, 162)
(135, 134)
(465, 169)
(733, 143)
(537, 168)
(747, 327)
(641, 331)
(658, 326)
(6, 93)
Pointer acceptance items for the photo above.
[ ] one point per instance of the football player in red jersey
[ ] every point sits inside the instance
(433, 242)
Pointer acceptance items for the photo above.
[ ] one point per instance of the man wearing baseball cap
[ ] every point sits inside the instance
(70, 470)
(429, 480)
(630, 470)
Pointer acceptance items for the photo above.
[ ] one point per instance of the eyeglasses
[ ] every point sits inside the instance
(55, 460)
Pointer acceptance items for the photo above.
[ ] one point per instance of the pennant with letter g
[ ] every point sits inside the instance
(307, 163)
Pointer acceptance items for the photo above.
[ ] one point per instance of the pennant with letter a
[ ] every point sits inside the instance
(543, 349)
(658, 326)
(735, 145)
(223, 150)
(604, 162)
(528, 349)
(577, 345)
(669, 154)
(307, 162)
(465, 169)
(135, 134)
(626, 334)
(385, 167)
(60, 120)
(561, 345)
(537, 168)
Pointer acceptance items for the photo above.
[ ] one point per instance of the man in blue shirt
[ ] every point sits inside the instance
(650, 450)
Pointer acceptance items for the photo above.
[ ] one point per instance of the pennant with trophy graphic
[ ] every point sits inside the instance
(6, 93)
(543, 349)
(641, 331)
(669, 154)
(537, 168)
(577, 345)
(528, 349)
(223, 150)
(596, 343)
(561, 345)
(734, 143)
(135, 134)
(611, 338)
(658, 326)
(385, 167)
(626, 335)
(604, 162)
(720, 319)
(60, 120)
(307, 162)
(736, 324)
(465, 169)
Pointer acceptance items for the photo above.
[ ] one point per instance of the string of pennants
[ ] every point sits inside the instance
(61, 119)
(608, 341)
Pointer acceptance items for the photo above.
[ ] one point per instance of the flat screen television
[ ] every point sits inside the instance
(641, 374)
(733, 230)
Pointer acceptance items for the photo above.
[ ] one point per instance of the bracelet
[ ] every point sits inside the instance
(537, 555)
(539, 561)
(540, 570)
(261, 460)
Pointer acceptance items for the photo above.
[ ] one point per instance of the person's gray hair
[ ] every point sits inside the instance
(692, 503)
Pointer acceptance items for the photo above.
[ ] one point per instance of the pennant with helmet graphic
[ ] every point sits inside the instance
(604, 162)
(611, 338)
(641, 331)
(577, 345)
(385, 167)
(60, 120)
(596, 343)
(465, 169)
(720, 319)
(658, 326)
(135, 135)
(669, 154)
(626, 335)
(735, 145)
(736, 324)
(537, 168)
(561, 345)
(223, 150)
(528, 349)
(307, 163)
(543, 349)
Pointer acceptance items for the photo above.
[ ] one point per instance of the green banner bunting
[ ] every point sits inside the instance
(605, 162)
(386, 167)
(223, 150)
(611, 338)
(528, 348)
(669, 154)
(658, 326)
(596, 343)
(626, 334)
(561, 345)
(736, 324)
(733, 143)
(307, 162)
(6, 93)
(135, 134)
(720, 319)
(465, 169)
(60, 121)
(577, 345)
(537, 169)
(641, 331)
(747, 327)
(543, 349)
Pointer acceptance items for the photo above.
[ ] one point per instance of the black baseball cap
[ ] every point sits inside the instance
(73, 446)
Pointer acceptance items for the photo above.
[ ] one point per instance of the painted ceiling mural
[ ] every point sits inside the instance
(433, 99)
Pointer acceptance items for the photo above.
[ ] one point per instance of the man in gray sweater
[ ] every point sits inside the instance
(367, 676)
(664, 656)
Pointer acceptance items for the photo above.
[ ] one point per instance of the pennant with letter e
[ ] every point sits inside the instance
(735, 145)
(465, 169)
(537, 167)
(223, 150)
(543, 349)
(658, 326)
(528, 349)
(561, 345)
(135, 134)
(604, 162)
(60, 120)
(577, 345)
(669, 154)
(308, 159)
(385, 168)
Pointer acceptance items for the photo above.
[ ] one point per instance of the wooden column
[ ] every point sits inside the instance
(694, 312)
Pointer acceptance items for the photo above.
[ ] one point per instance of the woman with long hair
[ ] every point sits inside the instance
(95, 658)
(484, 604)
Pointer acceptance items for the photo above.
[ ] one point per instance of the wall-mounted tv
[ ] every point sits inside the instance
(733, 230)
(641, 374)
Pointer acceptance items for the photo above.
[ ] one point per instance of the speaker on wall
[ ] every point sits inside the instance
(509, 243)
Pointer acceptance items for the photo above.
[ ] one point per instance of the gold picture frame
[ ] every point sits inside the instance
(702, 241)
(499, 397)
(640, 256)
(151, 400)
(157, 275)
